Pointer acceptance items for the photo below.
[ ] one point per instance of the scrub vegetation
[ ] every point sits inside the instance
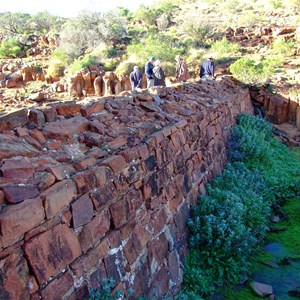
(166, 28)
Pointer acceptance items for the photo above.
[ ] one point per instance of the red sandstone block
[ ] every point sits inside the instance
(91, 260)
(17, 169)
(37, 135)
(114, 239)
(131, 155)
(19, 193)
(150, 187)
(174, 203)
(114, 266)
(50, 114)
(143, 149)
(102, 175)
(140, 237)
(181, 123)
(85, 181)
(169, 191)
(21, 131)
(15, 277)
(130, 252)
(84, 163)
(92, 108)
(167, 131)
(17, 219)
(57, 288)
(103, 196)
(68, 109)
(116, 162)
(158, 220)
(160, 284)
(61, 172)
(82, 210)
(117, 142)
(97, 126)
(51, 251)
(43, 180)
(121, 183)
(1, 197)
(158, 249)
(176, 141)
(66, 128)
(94, 230)
(119, 212)
(36, 116)
(58, 196)
(174, 266)
(53, 145)
(33, 142)
(126, 230)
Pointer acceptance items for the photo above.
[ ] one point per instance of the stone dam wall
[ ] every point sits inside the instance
(103, 188)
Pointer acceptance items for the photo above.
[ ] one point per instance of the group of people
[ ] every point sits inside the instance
(156, 76)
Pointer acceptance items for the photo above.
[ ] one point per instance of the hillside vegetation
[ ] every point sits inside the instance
(119, 38)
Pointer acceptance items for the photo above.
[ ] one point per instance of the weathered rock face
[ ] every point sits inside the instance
(110, 182)
(277, 108)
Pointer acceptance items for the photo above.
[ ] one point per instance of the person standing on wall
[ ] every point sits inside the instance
(159, 75)
(149, 71)
(182, 72)
(207, 69)
(136, 78)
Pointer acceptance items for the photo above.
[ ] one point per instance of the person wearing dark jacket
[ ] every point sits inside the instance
(159, 75)
(207, 69)
(136, 78)
(149, 71)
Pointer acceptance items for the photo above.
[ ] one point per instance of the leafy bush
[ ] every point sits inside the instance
(282, 47)
(224, 47)
(251, 71)
(110, 64)
(126, 67)
(150, 46)
(231, 221)
(83, 63)
(10, 48)
(56, 68)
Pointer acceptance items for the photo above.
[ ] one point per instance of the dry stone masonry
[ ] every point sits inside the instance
(103, 187)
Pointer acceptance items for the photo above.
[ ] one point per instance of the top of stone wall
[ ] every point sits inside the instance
(79, 134)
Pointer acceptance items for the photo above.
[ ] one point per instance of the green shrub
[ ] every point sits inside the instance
(150, 46)
(276, 4)
(282, 47)
(56, 68)
(83, 63)
(10, 48)
(110, 64)
(224, 47)
(126, 67)
(251, 71)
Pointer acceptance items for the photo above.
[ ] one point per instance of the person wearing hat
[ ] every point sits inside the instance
(136, 78)
(149, 71)
(207, 69)
(182, 72)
